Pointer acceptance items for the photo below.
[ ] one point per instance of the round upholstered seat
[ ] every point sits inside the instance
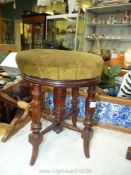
(61, 70)
(59, 64)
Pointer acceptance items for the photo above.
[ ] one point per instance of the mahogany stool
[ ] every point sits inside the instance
(60, 70)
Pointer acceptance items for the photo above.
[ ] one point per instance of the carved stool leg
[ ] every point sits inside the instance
(75, 95)
(87, 132)
(128, 155)
(59, 96)
(35, 138)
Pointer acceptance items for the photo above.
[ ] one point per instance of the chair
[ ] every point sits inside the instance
(60, 70)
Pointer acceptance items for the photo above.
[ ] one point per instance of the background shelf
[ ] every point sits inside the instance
(109, 25)
(116, 36)
(110, 9)
(110, 39)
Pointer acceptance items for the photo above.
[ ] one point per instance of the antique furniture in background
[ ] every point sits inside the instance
(108, 114)
(13, 112)
(8, 31)
(66, 30)
(14, 107)
(34, 30)
(61, 70)
(107, 23)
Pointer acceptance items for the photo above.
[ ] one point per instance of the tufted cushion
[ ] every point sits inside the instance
(59, 64)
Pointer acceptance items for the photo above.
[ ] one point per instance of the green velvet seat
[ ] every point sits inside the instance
(59, 64)
(61, 70)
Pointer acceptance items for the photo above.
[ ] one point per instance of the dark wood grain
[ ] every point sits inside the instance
(58, 121)
(89, 111)
(59, 96)
(75, 110)
(128, 155)
(36, 137)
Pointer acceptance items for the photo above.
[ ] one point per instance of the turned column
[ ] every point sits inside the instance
(75, 110)
(35, 138)
(59, 96)
(87, 132)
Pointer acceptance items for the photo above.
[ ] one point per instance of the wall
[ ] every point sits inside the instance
(21, 5)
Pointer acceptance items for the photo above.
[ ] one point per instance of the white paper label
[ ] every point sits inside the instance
(92, 104)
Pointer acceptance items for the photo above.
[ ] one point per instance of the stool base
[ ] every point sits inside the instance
(58, 130)
(58, 122)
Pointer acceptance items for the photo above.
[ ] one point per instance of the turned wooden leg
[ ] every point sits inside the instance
(75, 95)
(87, 132)
(128, 155)
(59, 96)
(35, 138)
